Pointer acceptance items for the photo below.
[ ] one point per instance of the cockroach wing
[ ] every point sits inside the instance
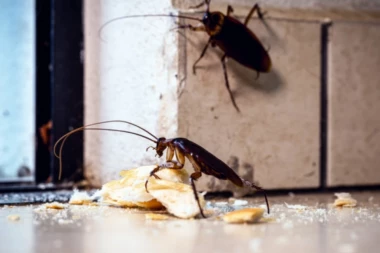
(209, 163)
(242, 45)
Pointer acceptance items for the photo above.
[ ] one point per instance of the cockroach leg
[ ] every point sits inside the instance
(249, 184)
(229, 10)
(202, 54)
(194, 176)
(257, 75)
(227, 83)
(151, 148)
(152, 173)
(256, 7)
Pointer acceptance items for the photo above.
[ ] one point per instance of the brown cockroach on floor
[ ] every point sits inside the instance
(234, 38)
(201, 159)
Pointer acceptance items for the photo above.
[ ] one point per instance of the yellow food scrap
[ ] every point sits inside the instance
(80, 198)
(170, 191)
(54, 205)
(13, 217)
(156, 216)
(178, 198)
(246, 215)
(344, 199)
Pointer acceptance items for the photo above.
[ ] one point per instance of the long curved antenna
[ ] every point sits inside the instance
(103, 122)
(144, 15)
(64, 138)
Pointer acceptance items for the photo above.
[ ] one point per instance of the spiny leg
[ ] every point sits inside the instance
(202, 54)
(170, 164)
(152, 173)
(227, 83)
(249, 184)
(195, 176)
(173, 165)
(229, 10)
(256, 7)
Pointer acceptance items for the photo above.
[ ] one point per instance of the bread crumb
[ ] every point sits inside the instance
(54, 205)
(238, 202)
(344, 199)
(13, 217)
(246, 215)
(297, 207)
(80, 198)
(156, 216)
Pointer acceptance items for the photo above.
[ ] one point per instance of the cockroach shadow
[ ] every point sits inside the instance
(269, 82)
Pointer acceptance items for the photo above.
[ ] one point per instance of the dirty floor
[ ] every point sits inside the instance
(315, 226)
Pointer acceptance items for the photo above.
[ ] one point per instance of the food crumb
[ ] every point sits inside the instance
(54, 205)
(64, 221)
(156, 216)
(13, 217)
(297, 207)
(221, 203)
(246, 215)
(80, 198)
(344, 199)
(240, 202)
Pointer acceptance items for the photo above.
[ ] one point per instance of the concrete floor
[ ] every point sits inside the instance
(318, 228)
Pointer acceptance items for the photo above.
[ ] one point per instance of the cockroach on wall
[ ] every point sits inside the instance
(201, 159)
(234, 38)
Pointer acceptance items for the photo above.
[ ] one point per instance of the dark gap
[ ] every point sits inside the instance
(324, 105)
(43, 91)
(67, 85)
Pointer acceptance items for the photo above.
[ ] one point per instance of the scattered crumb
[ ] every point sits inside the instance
(208, 212)
(221, 203)
(246, 215)
(54, 205)
(267, 219)
(240, 202)
(344, 199)
(80, 198)
(297, 207)
(64, 221)
(156, 216)
(13, 217)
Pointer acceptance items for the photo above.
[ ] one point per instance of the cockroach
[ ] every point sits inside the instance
(201, 159)
(234, 38)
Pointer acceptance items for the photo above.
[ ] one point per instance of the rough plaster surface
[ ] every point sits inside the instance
(275, 138)
(354, 104)
(131, 75)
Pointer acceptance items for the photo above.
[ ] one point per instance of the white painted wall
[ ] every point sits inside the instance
(124, 76)
(17, 89)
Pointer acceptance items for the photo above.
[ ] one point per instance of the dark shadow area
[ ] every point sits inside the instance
(266, 82)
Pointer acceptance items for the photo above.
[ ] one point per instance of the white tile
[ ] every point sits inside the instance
(354, 104)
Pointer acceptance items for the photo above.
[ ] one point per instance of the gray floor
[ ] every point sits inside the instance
(318, 228)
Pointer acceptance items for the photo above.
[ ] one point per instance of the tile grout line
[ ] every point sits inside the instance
(324, 105)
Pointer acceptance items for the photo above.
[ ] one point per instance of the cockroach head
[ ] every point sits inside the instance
(161, 146)
(213, 21)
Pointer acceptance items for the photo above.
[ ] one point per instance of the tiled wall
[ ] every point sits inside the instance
(324, 79)
(324, 82)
